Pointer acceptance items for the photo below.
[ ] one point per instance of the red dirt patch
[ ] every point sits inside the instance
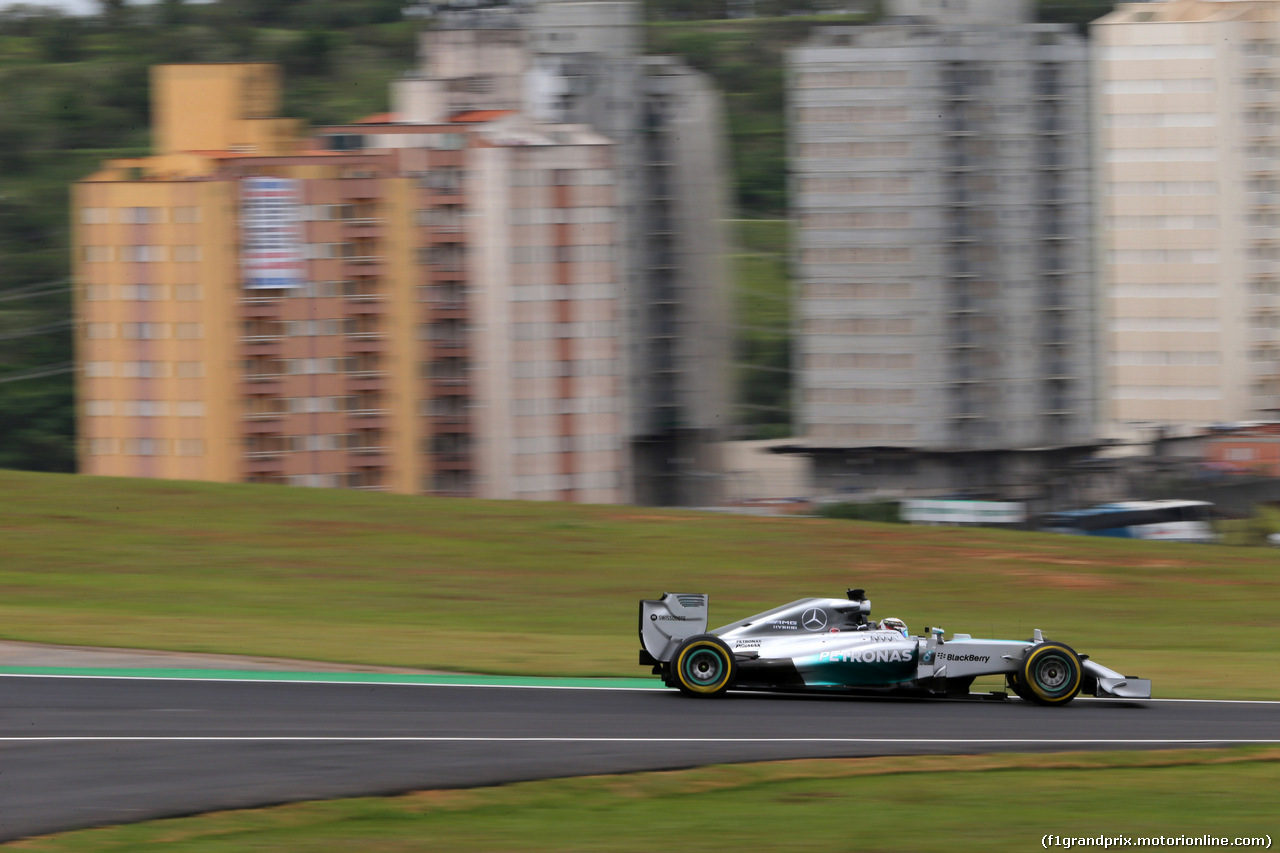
(1062, 580)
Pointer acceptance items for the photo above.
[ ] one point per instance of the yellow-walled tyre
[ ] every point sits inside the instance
(1050, 674)
(703, 666)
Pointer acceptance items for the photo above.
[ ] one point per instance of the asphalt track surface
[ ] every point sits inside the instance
(77, 752)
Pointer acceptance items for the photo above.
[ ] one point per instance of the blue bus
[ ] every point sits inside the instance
(1170, 521)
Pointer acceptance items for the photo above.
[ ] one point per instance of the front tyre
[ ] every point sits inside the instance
(1016, 686)
(703, 666)
(1050, 674)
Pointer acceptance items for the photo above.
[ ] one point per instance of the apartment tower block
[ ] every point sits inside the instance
(944, 257)
(412, 306)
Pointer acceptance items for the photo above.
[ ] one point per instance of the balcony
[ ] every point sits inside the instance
(366, 307)
(449, 311)
(453, 348)
(367, 457)
(364, 265)
(448, 235)
(366, 342)
(255, 308)
(449, 386)
(360, 227)
(451, 423)
(452, 461)
(267, 463)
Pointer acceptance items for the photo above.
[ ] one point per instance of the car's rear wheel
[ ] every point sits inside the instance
(703, 666)
(1050, 674)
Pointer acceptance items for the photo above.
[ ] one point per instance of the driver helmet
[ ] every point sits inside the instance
(893, 624)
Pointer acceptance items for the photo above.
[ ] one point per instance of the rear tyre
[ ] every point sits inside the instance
(1050, 674)
(703, 666)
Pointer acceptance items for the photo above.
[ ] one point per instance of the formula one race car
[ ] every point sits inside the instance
(830, 645)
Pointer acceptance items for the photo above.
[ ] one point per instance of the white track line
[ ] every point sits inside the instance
(534, 739)
(656, 687)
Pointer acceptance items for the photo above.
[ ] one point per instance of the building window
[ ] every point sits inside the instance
(144, 369)
(141, 215)
(190, 447)
(143, 254)
(143, 292)
(102, 446)
(146, 447)
(144, 331)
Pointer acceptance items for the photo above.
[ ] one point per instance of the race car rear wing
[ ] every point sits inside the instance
(668, 622)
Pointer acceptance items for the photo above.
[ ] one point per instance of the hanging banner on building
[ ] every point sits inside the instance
(271, 251)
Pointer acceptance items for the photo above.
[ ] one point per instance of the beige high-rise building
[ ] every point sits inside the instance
(1188, 153)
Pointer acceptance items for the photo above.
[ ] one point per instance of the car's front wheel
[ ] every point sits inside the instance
(703, 666)
(1050, 674)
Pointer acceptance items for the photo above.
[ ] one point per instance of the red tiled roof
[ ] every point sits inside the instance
(474, 116)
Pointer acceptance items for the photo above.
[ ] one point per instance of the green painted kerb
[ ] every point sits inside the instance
(339, 677)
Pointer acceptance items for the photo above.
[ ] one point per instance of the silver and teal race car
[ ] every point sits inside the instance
(831, 645)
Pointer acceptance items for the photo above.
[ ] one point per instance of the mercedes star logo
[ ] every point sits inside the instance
(814, 619)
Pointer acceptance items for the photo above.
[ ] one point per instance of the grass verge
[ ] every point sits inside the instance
(538, 588)
(916, 802)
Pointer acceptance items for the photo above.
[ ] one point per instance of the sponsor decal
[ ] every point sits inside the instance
(814, 619)
(928, 657)
(970, 658)
(866, 656)
(654, 617)
(784, 625)
(747, 644)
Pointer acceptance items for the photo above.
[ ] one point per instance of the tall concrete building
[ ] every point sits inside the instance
(944, 255)
(579, 62)
(1188, 149)
(422, 305)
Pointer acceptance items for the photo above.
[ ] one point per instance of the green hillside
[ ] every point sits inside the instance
(538, 588)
